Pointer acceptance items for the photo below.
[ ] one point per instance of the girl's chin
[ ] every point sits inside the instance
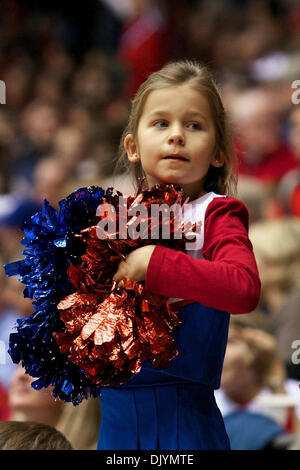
(164, 180)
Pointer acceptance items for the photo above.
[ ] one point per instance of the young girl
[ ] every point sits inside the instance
(177, 133)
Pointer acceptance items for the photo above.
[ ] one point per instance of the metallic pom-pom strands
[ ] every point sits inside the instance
(85, 333)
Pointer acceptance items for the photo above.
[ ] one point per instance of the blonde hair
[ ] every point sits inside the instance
(276, 244)
(260, 353)
(222, 180)
(30, 435)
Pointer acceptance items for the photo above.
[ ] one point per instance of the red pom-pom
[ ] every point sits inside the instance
(110, 331)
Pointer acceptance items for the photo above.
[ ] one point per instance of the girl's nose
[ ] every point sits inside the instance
(176, 138)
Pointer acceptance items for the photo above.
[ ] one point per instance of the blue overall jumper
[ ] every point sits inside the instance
(175, 408)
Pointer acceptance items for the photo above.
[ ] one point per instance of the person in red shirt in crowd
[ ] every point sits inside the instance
(262, 153)
(289, 187)
(143, 43)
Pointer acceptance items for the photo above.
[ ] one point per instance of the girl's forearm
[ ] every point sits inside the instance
(225, 285)
(227, 278)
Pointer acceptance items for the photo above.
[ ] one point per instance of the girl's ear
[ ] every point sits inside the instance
(218, 160)
(131, 148)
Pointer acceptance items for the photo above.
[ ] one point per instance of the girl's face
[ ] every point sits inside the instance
(175, 139)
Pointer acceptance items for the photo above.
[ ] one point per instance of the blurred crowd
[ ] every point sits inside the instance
(68, 90)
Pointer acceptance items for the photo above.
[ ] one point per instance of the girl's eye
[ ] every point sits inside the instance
(194, 125)
(161, 123)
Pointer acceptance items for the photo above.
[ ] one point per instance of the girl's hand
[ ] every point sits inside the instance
(135, 265)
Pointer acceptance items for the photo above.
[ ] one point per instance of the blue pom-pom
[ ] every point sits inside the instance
(50, 246)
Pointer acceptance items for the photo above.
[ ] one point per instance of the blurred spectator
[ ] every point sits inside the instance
(91, 86)
(80, 424)
(250, 364)
(17, 77)
(74, 150)
(70, 146)
(295, 445)
(275, 72)
(58, 64)
(276, 246)
(7, 137)
(262, 152)
(254, 431)
(144, 45)
(294, 136)
(29, 435)
(231, 35)
(38, 122)
(49, 177)
(79, 116)
(28, 404)
(14, 211)
(13, 305)
(48, 88)
(289, 186)
(251, 373)
(11, 234)
(256, 196)
(4, 408)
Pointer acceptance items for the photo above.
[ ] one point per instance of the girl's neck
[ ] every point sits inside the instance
(193, 197)
(193, 191)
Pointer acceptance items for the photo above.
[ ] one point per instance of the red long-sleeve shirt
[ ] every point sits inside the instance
(227, 278)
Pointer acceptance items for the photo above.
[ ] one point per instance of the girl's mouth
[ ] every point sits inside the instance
(176, 158)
